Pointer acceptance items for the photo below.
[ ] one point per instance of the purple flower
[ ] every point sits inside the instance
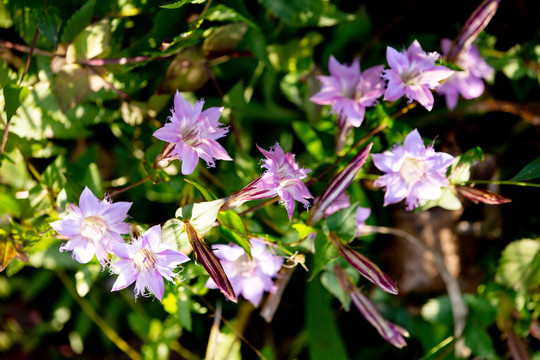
(349, 91)
(146, 262)
(282, 178)
(414, 74)
(412, 172)
(468, 82)
(92, 227)
(194, 134)
(250, 277)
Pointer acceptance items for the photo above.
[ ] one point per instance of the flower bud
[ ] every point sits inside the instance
(338, 185)
(389, 331)
(209, 261)
(364, 266)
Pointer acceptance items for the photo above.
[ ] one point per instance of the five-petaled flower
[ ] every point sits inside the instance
(413, 172)
(283, 178)
(146, 261)
(349, 91)
(467, 83)
(249, 276)
(413, 73)
(92, 227)
(194, 133)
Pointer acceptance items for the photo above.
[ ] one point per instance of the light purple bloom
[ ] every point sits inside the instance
(146, 262)
(194, 134)
(412, 172)
(250, 277)
(413, 73)
(468, 82)
(92, 227)
(349, 91)
(283, 178)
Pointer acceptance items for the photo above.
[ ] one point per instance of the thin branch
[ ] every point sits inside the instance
(119, 191)
(459, 308)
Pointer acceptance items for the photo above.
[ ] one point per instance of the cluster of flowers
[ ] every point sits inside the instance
(412, 172)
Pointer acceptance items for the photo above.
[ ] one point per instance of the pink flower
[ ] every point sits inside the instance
(282, 178)
(467, 83)
(146, 262)
(414, 74)
(250, 277)
(349, 91)
(194, 134)
(92, 227)
(412, 172)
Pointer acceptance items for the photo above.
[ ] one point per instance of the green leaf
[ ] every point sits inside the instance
(529, 172)
(48, 23)
(310, 139)
(324, 340)
(206, 194)
(174, 232)
(237, 238)
(181, 3)
(479, 341)
(331, 283)
(53, 176)
(14, 96)
(201, 215)
(325, 253)
(91, 42)
(92, 179)
(519, 265)
(343, 223)
(78, 21)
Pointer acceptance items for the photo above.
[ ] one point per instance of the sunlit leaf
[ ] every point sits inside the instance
(7, 250)
(181, 3)
(14, 96)
(519, 266)
(310, 139)
(78, 21)
(89, 43)
(205, 192)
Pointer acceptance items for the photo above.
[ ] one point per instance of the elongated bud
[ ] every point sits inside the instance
(364, 266)
(474, 25)
(338, 186)
(480, 195)
(209, 261)
(389, 331)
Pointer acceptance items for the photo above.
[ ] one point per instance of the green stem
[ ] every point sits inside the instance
(502, 182)
(98, 320)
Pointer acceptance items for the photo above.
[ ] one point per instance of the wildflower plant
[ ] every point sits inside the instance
(107, 209)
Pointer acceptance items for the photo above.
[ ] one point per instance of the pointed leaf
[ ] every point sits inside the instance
(180, 3)
(14, 96)
(78, 21)
(206, 194)
(529, 172)
(48, 23)
(480, 195)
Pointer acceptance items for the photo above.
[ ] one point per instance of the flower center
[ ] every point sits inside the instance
(412, 170)
(245, 265)
(94, 227)
(145, 259)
